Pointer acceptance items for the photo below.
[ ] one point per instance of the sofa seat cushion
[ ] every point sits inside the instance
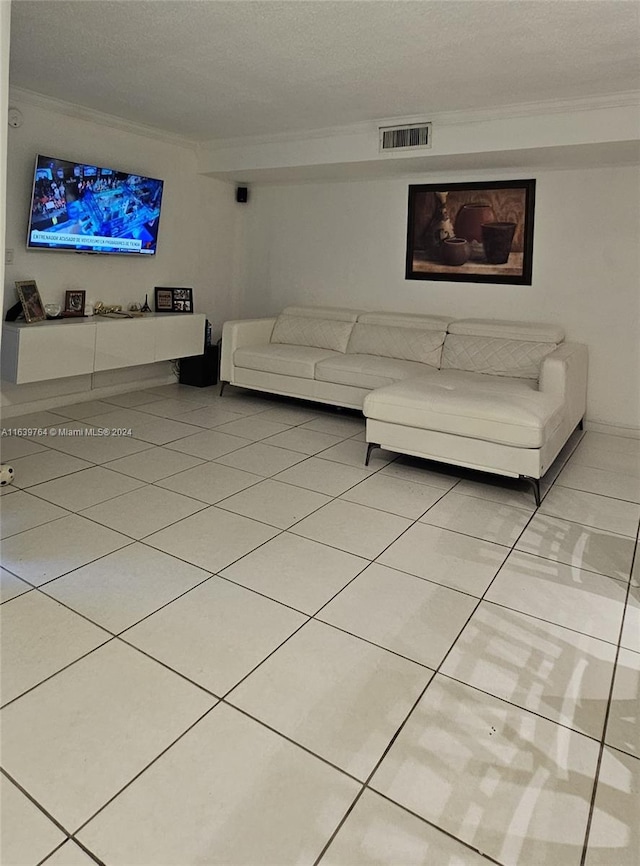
(524, 418)
(368, 371)
(281, 358)
(500, 384)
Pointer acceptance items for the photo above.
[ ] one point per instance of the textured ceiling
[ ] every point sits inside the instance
(214, 69)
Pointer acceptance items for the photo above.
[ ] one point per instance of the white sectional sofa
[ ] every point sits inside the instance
(501, 397)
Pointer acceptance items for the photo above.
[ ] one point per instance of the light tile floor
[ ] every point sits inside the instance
(226, 641)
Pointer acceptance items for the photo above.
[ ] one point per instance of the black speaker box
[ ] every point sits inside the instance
(201, 370)
(242, 194)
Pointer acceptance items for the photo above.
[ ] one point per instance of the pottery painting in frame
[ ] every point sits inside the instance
(471, 232)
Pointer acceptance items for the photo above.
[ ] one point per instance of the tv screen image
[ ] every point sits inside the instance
(87, 208)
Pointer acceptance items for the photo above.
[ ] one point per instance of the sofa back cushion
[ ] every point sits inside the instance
(403, 343)
(499, 348)
(516, 358)
(531, 332)
(321, 333)
(339, 314)
(406, 320)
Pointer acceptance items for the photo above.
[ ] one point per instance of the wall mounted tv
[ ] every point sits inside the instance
(87, 208)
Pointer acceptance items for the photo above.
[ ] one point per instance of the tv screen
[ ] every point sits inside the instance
(87, 208)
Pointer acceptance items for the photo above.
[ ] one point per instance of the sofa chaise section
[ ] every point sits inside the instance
(506, 399)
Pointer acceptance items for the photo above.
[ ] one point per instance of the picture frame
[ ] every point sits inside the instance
(74, 302)
(476, 232)
(32, 306)
(173, 300)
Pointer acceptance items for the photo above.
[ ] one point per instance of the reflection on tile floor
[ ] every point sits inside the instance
(226, 641)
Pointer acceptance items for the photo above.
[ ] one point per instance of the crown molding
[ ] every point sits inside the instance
(364, 127)
(81, 112)
(627, 99)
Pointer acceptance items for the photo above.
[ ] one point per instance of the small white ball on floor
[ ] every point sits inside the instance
(6, 475)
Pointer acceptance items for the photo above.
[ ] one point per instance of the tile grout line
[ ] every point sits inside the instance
(411, 711)
(603, 743)
(36, 804)
(290, 636)
(240, 585)
(402, 724)
(39, 587)
(366, 566)
(190, 727)
(72, 841)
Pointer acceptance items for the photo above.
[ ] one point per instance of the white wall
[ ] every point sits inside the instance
(200, 228)
(5, 29)
(344, 243)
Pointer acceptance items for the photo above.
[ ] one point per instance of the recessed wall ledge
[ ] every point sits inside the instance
(538, 131)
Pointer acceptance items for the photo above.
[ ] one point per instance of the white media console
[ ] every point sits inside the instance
(72, 347)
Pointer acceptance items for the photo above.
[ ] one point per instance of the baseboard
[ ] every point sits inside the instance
(50, 403)
(612, 429)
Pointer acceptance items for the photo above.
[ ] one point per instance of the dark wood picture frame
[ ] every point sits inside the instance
(32, 305)
(173, 300)
(480, 232)
(74, 301)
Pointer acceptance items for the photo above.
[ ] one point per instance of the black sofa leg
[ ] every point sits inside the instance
(222, 384)
(370, 447)
(535, 483)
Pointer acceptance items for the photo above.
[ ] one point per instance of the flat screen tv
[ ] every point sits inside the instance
(87, 208)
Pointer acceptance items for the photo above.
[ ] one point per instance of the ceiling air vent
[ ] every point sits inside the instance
(413, 136)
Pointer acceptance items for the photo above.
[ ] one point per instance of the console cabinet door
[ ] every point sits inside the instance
(126, 343)
(53, 350)
(179, 336)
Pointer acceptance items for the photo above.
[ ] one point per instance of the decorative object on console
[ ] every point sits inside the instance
(145, 308)
(32, 305)
(101, 309)
(53, 311)
(476, 210)
(74, 303)
(115, 311)
(170, 300)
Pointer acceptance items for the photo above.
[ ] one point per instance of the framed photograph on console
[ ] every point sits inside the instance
(471, 232)
(32, 305)
(169, 300)
(74, 303)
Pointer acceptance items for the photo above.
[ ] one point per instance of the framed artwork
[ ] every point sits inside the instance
(170, 300)
(32, 305)
(471, 232)
(74, 303)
